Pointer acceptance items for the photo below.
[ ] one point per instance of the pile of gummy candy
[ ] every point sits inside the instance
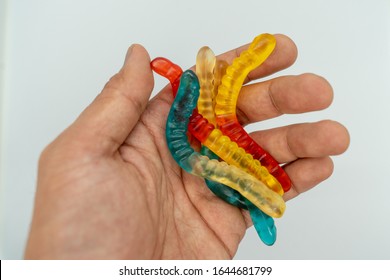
(234, 166)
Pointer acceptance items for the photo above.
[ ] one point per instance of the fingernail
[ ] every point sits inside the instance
(129, 51)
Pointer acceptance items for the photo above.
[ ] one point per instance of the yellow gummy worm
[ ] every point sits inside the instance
(191, 161)
(251, 188)
(219, 144)
(229, 151)
(219, 72)
(258, 51)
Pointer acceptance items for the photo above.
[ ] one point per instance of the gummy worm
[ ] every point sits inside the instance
(178, 118)
(209, 79)
(227, 194)
(229, 151)
(264, 224)
(173, 72)
(219, 72)
(226, 102)
(169, 70)
(222, 146)
(209, 71)
(205, 64)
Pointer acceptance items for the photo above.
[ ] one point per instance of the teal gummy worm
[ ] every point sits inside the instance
(187, 158)
(264, 224)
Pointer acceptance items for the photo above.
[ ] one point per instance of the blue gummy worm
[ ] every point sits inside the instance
(264, 224)
(176, 135)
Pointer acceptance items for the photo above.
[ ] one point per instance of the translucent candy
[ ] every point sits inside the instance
(226, 102)
(169, 70)
(229, 151)
(263, 223)
(254, 190)
(210, 72)
(205, 63)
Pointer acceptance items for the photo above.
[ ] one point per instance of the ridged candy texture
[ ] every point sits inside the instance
(254, 190)
(210, 72)
(226, 103)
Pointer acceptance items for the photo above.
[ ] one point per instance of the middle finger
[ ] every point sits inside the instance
(283, 95)
(305, 140)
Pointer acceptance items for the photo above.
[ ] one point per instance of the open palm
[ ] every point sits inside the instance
(108, 187)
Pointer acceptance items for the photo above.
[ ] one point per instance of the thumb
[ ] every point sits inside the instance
(108, 120)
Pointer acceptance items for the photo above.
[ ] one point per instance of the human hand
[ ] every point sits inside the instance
(108, 187)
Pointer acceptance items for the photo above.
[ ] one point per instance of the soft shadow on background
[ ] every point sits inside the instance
(55, 57)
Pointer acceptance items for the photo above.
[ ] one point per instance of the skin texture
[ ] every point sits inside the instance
(108, 187)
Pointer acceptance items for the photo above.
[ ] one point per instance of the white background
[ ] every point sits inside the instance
(55, 56)
(281, 269)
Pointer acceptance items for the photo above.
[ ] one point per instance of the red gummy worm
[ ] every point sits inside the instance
(233, 129)
(200, 128)
(169, 70)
